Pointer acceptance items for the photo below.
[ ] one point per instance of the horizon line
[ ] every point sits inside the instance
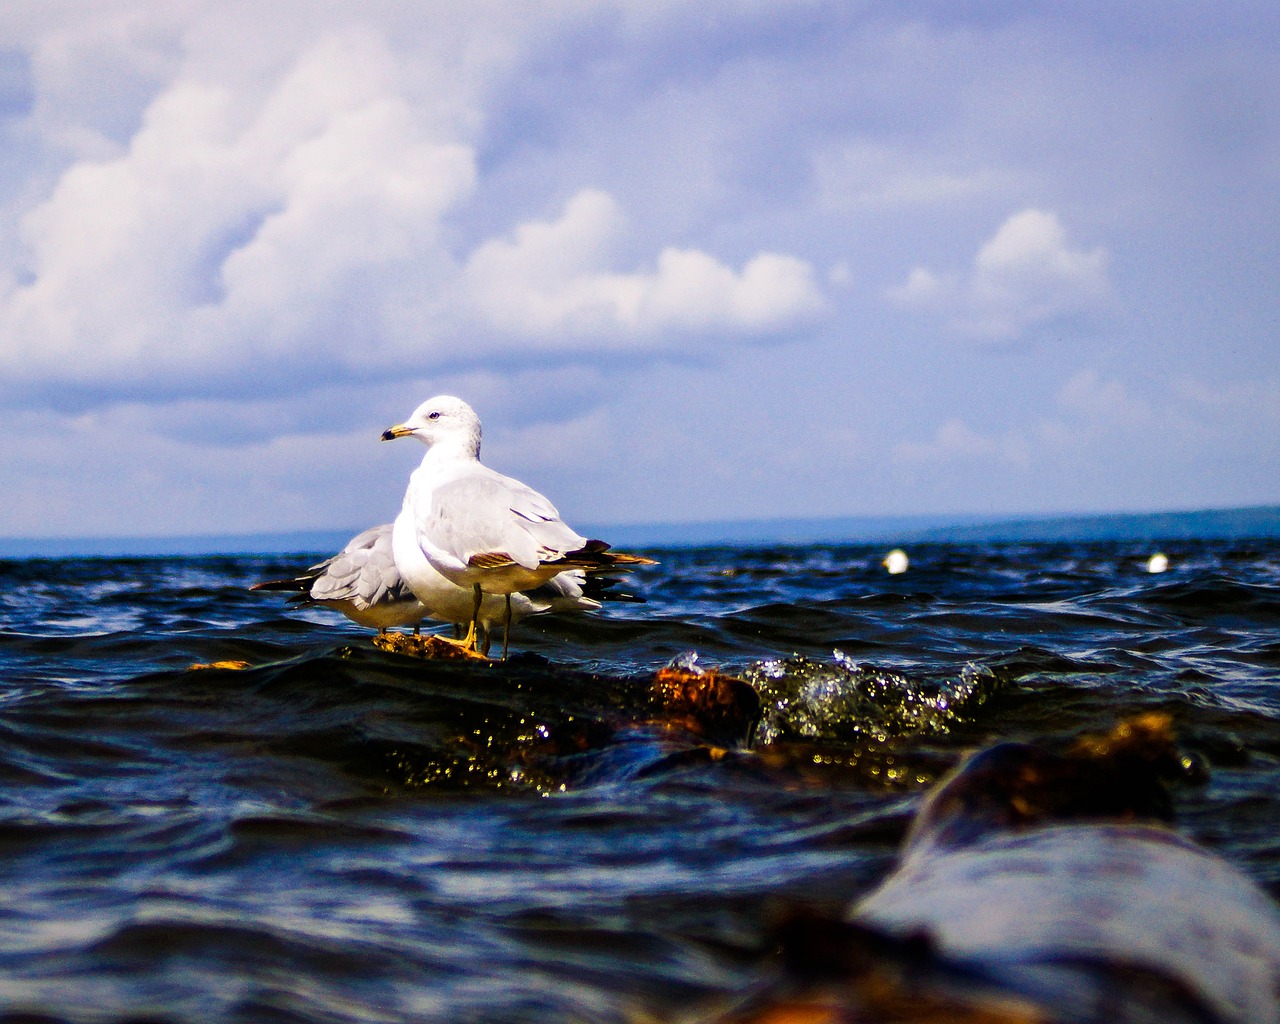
(1237, 521)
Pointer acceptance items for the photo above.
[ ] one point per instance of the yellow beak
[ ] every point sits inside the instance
(399, 430)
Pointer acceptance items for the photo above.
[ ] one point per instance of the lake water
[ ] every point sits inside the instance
(336, 834)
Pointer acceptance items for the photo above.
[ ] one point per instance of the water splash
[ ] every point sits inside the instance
(843, 700)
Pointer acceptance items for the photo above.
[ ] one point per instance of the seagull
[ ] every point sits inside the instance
(484, 532)
(362, 582)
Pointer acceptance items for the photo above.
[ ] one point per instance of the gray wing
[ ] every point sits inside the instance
(364, 572)
(486, 513)
(575, 591)
(562, 593)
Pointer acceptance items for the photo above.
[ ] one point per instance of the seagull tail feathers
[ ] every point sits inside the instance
(300, 583)
(595, 555)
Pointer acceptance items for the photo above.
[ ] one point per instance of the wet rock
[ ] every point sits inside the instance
(1042, 882)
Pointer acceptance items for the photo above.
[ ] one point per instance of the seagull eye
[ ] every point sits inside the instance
(433, 415)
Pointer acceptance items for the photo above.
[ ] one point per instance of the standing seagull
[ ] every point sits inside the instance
(481, 530)
(363, 583)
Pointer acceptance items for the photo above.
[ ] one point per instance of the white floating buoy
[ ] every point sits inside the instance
(896, 561)
(1158, 562)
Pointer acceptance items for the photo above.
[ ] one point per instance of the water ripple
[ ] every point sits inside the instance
(342, 835)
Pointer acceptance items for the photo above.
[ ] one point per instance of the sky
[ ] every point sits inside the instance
(688, 260)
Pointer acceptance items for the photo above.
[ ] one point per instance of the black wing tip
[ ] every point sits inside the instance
(598, 553)
(297, 587)
(276, 585)
(601, 588)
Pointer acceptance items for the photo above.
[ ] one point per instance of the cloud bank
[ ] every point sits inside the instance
(549, 283)
(272, 230)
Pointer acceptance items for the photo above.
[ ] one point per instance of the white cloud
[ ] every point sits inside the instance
(1162, 412)
(1089, 399)
(921, 289)
(956, 441)
(1027, 275)
(272, 227)
(107, 477)
(1088, 410)
(237, 232)
(874, 175)
(551, 281)
(563, 446)
(1255, 402)
(1102, 420)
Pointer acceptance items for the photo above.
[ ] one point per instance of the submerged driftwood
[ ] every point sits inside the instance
(1041, 885)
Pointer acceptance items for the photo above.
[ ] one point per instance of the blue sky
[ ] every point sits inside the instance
(688, 260)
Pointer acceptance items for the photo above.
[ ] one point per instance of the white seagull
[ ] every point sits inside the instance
(362, 582)
(480, 530)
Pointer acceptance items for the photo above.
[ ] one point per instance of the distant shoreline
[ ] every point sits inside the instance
(1261, 521)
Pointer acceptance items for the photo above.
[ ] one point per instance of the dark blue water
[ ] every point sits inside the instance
(337, 834)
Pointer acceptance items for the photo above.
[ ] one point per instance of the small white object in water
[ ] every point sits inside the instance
(1158, 562)
(896, 561)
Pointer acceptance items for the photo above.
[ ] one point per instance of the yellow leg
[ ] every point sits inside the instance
(428, 645)
(466, 641)
(470, 639)
(506, 629)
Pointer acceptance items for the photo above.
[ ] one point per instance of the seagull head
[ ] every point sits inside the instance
(443, 420)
